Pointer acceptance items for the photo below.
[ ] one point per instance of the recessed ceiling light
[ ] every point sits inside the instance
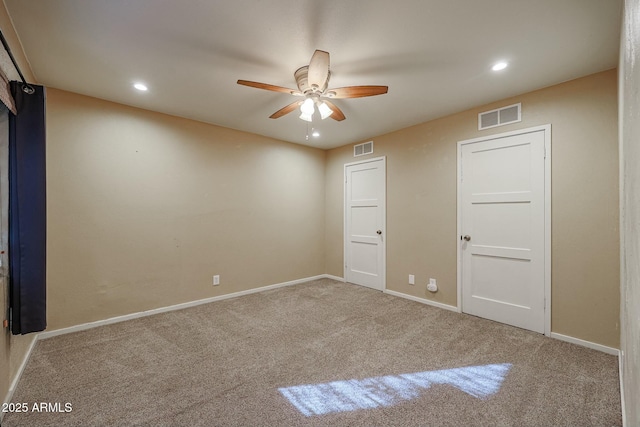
(499, 66)
(140, 86)
(315, 134)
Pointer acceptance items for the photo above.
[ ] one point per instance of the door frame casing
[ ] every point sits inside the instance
(345, 236)
(547, 213)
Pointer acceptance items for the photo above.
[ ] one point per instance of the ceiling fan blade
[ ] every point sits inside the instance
(337, 113)
(356, 91)
(285, 110)
(319, 69)
(273, 88)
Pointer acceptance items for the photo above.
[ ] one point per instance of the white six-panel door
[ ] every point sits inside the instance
(502, 229)
(365, 193)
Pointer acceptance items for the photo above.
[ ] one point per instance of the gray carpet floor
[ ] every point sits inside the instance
(316, 354)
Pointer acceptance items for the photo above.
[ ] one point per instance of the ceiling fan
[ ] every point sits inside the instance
(313, 83)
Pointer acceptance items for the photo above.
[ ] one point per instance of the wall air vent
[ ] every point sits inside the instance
(499, 117)
(362, 149)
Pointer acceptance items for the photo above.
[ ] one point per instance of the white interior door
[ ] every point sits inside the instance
(502, 229)
(365, 193)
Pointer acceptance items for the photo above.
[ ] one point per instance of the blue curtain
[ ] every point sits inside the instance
(27, 211)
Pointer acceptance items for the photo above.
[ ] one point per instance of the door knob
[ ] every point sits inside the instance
(379, 231)
(467, 238)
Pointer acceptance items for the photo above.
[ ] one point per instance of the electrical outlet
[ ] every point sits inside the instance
(216, 280)
(432, 286)
(412, 279)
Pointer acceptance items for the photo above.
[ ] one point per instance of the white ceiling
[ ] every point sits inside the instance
(435, 55)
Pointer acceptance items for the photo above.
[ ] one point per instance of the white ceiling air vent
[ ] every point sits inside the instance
(362, 149)
(499, 117)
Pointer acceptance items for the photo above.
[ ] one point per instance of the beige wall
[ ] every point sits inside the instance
(144, 208)
(421, 202)
(630, 210)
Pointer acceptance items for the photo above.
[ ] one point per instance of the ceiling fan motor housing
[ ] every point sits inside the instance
(302, 80)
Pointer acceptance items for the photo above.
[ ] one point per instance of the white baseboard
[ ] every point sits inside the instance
(118, 319)
(588, 344)
(422, 300)
(332, 277)
(16, 379)
(621, 363)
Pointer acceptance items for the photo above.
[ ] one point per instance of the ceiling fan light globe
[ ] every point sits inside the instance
(324, 110)
(307, 107)
(306, 117)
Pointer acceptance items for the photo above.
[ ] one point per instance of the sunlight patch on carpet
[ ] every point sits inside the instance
(369, 393)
